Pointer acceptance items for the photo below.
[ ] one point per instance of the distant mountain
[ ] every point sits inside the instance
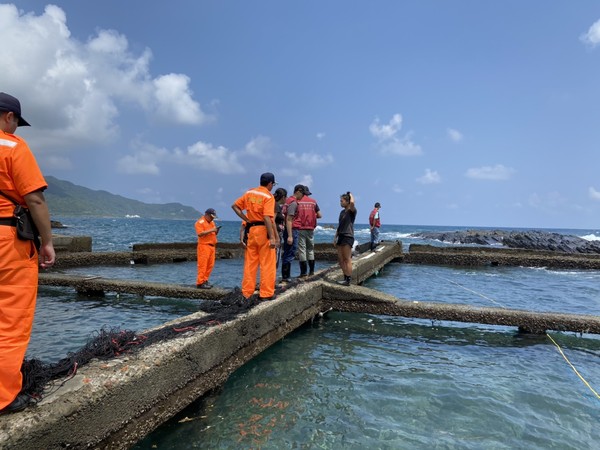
(67, 199)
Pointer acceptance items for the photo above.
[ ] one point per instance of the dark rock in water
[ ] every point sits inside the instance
(56, 224)
(532, 240)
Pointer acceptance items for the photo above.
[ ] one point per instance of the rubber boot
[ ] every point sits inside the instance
(286, 269)
(346, 281)
(311, 266)
(303, 268)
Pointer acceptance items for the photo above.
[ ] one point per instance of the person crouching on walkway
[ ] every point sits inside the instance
(344, 236)
(263, 239)
(207, 242)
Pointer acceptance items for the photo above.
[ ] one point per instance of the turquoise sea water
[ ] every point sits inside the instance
(363, 381)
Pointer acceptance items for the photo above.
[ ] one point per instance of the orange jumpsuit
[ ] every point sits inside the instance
(205, 250)
(19, 175)
(258, 203)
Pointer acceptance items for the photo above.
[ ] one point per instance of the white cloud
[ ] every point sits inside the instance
(206, 157)
(389, 142)
(454, 135)
(259, 147)
(71, 92)
(174, 100)
(401, 147)
(320, 136)
(397, 189)
(310, 160)
(385, 132)
(496, 173)
(145, 160)
(430, 177)
(593, 193)
(592, 37)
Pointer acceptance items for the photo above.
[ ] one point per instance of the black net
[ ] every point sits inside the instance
(41, 378)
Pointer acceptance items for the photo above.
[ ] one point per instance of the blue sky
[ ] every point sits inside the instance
(448, 112)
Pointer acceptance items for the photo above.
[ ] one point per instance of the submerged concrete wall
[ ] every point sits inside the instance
(489, 256)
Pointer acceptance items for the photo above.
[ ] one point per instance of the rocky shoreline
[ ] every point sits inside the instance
(529, 240)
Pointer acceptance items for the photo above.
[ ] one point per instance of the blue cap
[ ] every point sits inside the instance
(11, 104)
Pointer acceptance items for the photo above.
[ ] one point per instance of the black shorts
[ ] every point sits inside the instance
(344, 239)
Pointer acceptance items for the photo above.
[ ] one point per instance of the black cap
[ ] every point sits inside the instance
(377, 205)
(307, 190)
(299, 187)
(10, 103)
(211, 212)
(267, 178)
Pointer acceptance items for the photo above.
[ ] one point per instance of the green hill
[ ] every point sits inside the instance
(67, 199)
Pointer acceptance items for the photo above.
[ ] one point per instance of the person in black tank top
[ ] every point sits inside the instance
(344, 236)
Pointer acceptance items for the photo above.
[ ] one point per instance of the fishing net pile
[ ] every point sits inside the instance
(41, 378)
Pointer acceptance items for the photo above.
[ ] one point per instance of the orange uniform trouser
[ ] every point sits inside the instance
(259, 253)
(18, 292)
(206, 261)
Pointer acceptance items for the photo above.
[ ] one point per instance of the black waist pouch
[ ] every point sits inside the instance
(26, 229)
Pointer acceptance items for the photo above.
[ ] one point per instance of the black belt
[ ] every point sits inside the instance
(10, 221)
(247, 229)
(253, 224)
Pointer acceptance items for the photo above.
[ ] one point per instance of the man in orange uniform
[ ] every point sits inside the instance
(207, 241)
(21, 179)
(259, 206)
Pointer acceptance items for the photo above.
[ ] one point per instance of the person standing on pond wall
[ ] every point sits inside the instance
(374, 224)
(344, 236)
(306, 222)
(22, 180)
(207, 232)
(290, 232)
(257, 208)
(280, 197)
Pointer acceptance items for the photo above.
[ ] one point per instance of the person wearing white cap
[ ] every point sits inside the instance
(22, 183)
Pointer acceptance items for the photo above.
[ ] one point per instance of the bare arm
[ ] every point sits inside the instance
(351, 206)
(271, 231)
(239, 212)
(36, 202)
(288, 226)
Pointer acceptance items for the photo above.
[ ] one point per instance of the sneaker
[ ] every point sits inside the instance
(18, 404)
(266, 299)
(343, 282)
(205, 285)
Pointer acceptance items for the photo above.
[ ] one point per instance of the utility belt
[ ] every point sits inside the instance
(210, 245)
(247, 229)
(9, 221)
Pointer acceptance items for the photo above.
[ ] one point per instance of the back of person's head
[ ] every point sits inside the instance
(267, 178)
(279, 194)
